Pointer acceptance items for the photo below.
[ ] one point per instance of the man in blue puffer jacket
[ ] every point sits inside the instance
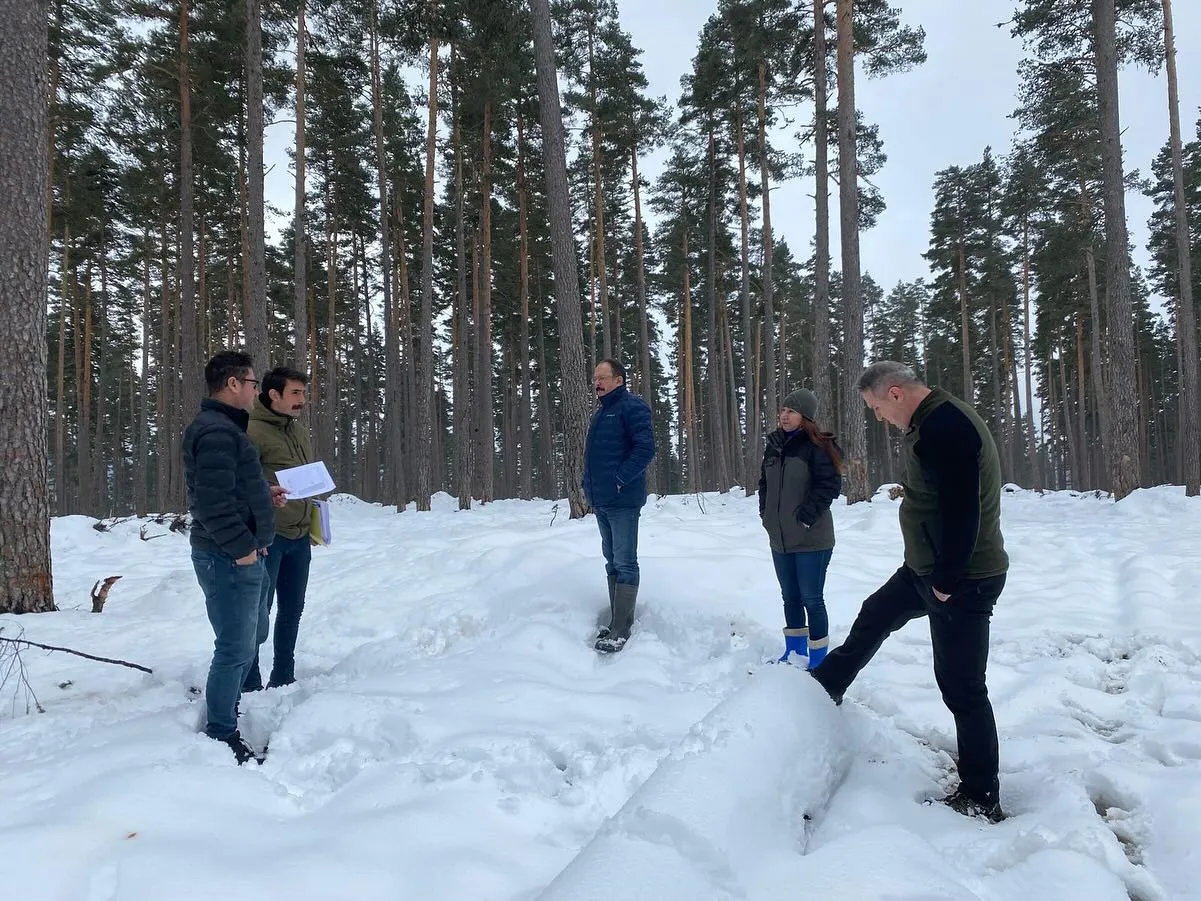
(621, 445)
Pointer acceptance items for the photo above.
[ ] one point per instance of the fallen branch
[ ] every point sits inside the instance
(142, 533)
(49, 647)
(100, 593)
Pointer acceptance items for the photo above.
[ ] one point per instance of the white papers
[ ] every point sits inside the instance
(305, 481)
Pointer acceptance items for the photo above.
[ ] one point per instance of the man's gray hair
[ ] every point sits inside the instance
(885, 374)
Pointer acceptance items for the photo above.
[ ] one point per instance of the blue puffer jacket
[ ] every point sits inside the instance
(228, 497)
(621, 445)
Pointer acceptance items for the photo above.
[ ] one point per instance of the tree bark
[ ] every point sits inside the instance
(644, 341)
(300, 351)
(563, 252)
(26, 584)
(853, 427)
(424, 376)
(256, 303)
(525, 460)
(750, 449)
(1121, 391)
(821, 260)
(1036, 468)
(190, 362)
(717, 444)
(486, 446)
(463, 407)
(769, 314)
(965, 325)
(1186, 320)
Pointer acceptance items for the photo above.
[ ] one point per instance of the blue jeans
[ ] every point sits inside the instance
(231, 597)
(802, 579)
(619, 541)
(287, 579)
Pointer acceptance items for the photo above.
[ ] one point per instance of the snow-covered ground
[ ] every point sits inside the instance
(453, 735)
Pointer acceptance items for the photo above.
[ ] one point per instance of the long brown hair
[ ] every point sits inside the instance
(824, 440)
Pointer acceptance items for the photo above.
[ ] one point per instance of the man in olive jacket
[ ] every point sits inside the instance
(282, 442)
(954, 570)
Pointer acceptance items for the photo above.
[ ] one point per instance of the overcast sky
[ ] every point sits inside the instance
(941, 114)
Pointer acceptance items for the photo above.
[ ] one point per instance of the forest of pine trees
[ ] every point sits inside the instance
(452, 266)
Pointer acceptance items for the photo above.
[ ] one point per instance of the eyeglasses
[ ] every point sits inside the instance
(254, 382)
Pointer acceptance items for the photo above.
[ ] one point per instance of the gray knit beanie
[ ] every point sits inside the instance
(803, 401)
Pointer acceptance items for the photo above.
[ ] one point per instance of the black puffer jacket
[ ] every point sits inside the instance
(228, 497)
(797, 484)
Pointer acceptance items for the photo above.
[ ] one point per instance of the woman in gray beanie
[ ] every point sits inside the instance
(800, 478)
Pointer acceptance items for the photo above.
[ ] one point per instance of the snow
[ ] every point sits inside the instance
(453, 736)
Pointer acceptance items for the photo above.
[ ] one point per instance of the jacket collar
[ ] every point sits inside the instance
(613, 396)
(240, 417)
(263, 413)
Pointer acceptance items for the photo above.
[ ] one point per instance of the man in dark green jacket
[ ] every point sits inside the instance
(282, 442)
(954, 570)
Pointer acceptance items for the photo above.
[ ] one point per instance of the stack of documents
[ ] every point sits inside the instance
(310, 480)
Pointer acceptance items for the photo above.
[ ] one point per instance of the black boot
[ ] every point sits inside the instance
(625, 600)
(604, 630)
(242, 751)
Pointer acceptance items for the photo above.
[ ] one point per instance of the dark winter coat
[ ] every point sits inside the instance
(797, 484)
(951, 512)
(620, 446)
(282, 443)
(228, 497)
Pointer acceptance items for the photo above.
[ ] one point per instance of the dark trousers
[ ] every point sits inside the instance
(619, 541)
(802, 578)
(959, 635)
(286, 579)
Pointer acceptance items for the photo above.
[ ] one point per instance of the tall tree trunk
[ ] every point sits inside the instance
(1121, 392)
(644, 341)
(1186, 320)
(717, 446)
(821, 261)
(550, 479)
(102, 498)
(769, 315)
(1097, 368)
(965, 326)
(688, 437)
(168, 378)
(299, 251)
(330, 401)
(598, 199)
(424, 375)
(1036, 468)
(256, 303)
(750, 449)
(525, 460)
(1084, 463)
(486, 447)
(463, 407)
(853, 428)
(61, 491)
(83, 393)
(142, 445)
(190, 360)
(571, 352)
(26, 585)
(385, 208)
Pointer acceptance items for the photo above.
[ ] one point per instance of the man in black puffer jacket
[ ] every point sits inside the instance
(621, 445)
(233, 524)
